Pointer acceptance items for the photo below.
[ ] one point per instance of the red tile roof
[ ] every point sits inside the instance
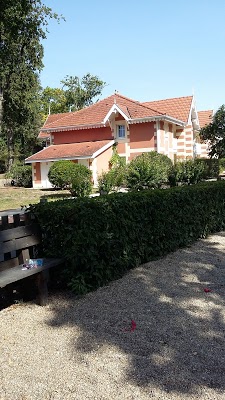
(50, 118)
(177, 107)
(205, 117)
(95, 114)
(69, 151)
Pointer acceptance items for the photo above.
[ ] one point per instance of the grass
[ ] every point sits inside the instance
(16, 197)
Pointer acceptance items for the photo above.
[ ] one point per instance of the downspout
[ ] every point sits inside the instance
(157, 136)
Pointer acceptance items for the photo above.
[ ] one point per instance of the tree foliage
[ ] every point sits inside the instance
(75, 94)
(81, 93)
(214, 133)
(52, 101)
(22, 27)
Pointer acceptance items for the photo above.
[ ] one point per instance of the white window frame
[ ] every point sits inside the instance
(118, 125)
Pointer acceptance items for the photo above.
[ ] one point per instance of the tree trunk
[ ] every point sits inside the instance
(1, 108)
(10, 143)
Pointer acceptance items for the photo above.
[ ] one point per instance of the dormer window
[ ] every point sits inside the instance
(121, 131)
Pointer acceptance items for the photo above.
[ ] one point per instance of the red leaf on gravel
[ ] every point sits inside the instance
(131, 328)
(207, 290)
(133, 325)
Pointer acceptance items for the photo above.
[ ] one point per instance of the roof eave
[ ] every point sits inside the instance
(74, 127)
(27, 161)
(163, 117)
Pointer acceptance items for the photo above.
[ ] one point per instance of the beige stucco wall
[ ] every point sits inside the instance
(101, 164)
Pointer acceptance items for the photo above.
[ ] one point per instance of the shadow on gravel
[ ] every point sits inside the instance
(179, 340)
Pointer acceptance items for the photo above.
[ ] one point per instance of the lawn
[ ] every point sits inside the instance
(16, 197)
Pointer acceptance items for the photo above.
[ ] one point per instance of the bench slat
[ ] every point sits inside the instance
(18, 244)
(19, 232)
(15, 274)
(18, 238)
(13, 262)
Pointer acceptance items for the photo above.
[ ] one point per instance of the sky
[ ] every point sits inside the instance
(144, 49)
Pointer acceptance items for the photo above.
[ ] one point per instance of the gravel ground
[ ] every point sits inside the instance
(155, 333)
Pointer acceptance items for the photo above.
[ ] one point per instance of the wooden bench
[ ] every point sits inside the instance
(20, 239)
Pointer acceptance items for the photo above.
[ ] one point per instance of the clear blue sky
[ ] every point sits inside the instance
(145, 49)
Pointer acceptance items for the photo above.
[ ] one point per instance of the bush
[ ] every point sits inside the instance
(211, 167)
(112, 180)
(21, 175)
(187, 172)
(106, 182)
(60, 174)
(103, 237)
(221, 164)
(80, 181)
(149, 170)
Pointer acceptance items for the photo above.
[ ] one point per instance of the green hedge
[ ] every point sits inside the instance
(101, 238)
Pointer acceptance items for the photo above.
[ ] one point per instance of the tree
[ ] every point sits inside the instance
(81, 92)
(22, 27)
(53, 101)
(214, 133)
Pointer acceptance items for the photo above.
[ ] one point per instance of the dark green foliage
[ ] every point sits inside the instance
(22, 29)
(112, 180)
(80, 181)
(116, 177)
(221, 164)
(211, 167)
(215, 134)
(149, 170)
(187, 172)
(106, 182)
(60, 174)
(102, 238)
(75, 177)
(21, 174)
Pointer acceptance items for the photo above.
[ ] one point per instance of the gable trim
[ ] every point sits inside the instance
(107, 146)
(112, 110)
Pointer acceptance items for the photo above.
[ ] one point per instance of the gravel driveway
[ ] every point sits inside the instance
(159, 332)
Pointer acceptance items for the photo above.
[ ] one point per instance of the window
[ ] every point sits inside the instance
(121, 132)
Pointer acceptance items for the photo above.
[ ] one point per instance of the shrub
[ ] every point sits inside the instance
(115, 177)
(112, 180)
(187, 172)
(221, 164)
(149, 170)
(106, 182)
(60, 174)
(116, 160)
(211, 167)
(21, 174)
(80, 181)
(103, 237)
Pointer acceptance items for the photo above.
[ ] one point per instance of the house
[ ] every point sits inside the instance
(87, 136)
(204, 117)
